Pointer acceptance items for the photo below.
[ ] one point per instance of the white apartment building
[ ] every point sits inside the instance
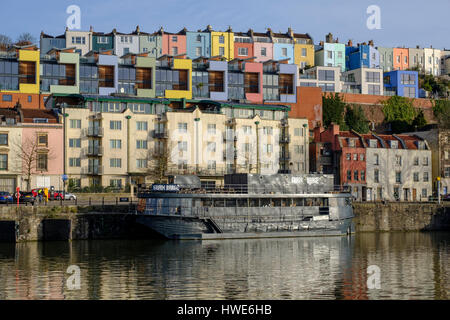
(327, 78)
(363, 81)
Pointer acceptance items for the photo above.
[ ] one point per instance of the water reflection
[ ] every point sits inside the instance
(413, 266)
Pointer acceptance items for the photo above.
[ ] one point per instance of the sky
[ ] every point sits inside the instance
(403, 22)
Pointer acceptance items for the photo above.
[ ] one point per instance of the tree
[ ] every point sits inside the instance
(419, 121)
(25, 39)
(441, 110)
(33, 155)
(399, 112)
(356, 119)
(158, 161)
(5, 42)
(333, 108)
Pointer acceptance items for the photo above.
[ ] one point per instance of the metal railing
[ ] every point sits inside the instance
(94, 151)
(94, 132)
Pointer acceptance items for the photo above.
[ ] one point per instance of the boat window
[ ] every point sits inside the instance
(324, 202)
(254, 202)
(265, 202)
(276, 202)
(242, 202)
(299, 202)
(230, 203)
(285, 202)
(219, 203)
(207, 203)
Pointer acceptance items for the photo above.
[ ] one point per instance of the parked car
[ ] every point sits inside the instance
(25, 197)
(5, 197)
(69, 196)
(52, 195)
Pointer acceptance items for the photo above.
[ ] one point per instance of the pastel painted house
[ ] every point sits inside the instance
(330, 54)
(102, 41)
(386, 58)
(245, 80)
(80, 40)
(125, 43)
(99, 73)
(209, 79)
(173, 77)
(283, 46)
(243, 45)
(401, 58)
(402, 83)
(137, 75)
(280, 81)
(362, 56)
(222, 43)
(59, 71)
(151, 44)
(173, 43)
(47, 42)
(198, 44)
(303, 50)
(262, 46)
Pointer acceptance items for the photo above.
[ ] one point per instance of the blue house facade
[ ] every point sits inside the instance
(47, 43)
(198, 44)
(402, 83)
(363, 56)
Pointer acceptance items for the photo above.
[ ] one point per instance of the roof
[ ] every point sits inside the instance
(41, 114)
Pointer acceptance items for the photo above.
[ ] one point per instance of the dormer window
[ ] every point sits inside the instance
(351, 142)
(393, 144)
(373, 143)
(40, 120)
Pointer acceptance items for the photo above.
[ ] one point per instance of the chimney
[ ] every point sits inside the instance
(350, 43)
(417, 47)
(114, 30)
(161, 30)
(321, 43)
(291, 32)
(337, 40)
(91, 29)
(67, 29)
(208, 27)
(317, 131)
(334, 128)
(364, 44)
(329, 38)
(138, 30)
(229, 29)
(371, 43)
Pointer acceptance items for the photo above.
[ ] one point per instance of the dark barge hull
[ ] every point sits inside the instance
(194, 228)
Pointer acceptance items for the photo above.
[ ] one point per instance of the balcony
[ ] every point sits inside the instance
(285, 156)
(308, 76)
(94, 132)
(160, 135)
(201, 171)
(230, 155)
(96, 151)
(92, 170)
(285, 138)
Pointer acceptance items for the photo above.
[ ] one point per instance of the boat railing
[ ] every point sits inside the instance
(249, 189)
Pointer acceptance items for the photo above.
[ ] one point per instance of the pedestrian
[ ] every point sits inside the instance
(40, 195)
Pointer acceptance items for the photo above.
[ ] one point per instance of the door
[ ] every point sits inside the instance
(414, 194)
(8, 184)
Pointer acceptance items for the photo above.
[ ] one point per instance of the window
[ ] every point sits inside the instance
(416, 161)
(247, 129)
(330, 54)
(355, 157)
(398, 177)
(115, 144)
(263, 52)
(115, 163)
(409, 92)
(211, 147)
(406, 59)
(397, 193)
(182, 127)
(102, 39)
(7, 97)
(298, 132)
(42, 139)
(211, 128)
(363, 175)
(221, 39)
(408, 79)
(198, 51)
(141, 125)
(3, 162)
(141, 163)
(116, 183)
(447, 172)
(74, 162)
(182, 145)
(326, 75)
(243, 51)
(303, 52)
(424, 193)
(425, 176)
(373, 89)
(284, 52)
(42, 161)
(174, 51)
(425, 161)
(267, 148)
(75, 124)
(349, 175)
(267, 130)
(398, 59)
(376, 159)
(174, 38)
(3, 139)
(398, 160)
(361, 156)
(376, 175)
(221, 51)
(348, 156)
(198, 38)
(211, 165)
(141, 144)
(393, 144)
(75, 143)
(355, 173)
(416, 177)
(246, 147)
(115, 125)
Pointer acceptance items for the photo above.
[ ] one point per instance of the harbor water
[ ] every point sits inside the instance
(411, 266)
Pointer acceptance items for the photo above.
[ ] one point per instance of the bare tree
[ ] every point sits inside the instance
(25, 39)
(158, 161)
(30, 152)
(5, 42)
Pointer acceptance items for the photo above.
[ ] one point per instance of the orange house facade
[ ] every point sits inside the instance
(401, 58)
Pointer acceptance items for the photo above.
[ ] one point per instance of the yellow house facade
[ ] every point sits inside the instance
(222, 44)
(304, 55)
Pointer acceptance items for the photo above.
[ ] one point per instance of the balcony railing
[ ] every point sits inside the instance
(160, 135)
(285, 156)
(201, 171)
(92, 170)
(94, 132)
(285, 138)
(94, 151)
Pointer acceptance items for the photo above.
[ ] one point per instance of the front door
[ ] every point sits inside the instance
(414, 195)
